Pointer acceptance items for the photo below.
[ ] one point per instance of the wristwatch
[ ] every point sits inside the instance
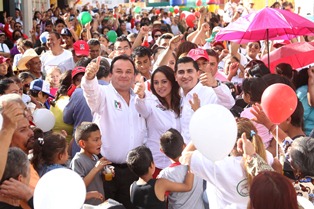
(218, 83)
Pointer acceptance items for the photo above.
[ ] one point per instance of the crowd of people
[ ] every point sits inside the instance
(123, 88)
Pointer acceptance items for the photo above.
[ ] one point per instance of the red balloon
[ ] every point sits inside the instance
(157, 11)
(182, 16)
(211, 2)
(198, 3)
(190, 20)
(279, 101)
(176, 9)
(132, 1)
(197, 14)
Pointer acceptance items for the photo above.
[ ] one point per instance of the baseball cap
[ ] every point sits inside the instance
(195, 54)
(280, 43)
(78, 70)
(43, 37)
(65, 32)
(41, 85)
(3, 59)
(81, 48)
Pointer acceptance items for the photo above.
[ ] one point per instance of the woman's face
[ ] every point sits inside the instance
(253, 49)
(103, 41)
(13, 89)
(3, 69)
(162, 85)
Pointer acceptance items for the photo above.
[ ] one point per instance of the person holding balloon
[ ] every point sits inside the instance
(227, 181)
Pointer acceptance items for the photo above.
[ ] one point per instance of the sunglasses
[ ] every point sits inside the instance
(157, 36)
(218, 49)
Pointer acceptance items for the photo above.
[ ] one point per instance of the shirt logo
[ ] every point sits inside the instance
(117, 105)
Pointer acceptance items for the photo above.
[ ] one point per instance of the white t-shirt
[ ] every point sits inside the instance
(226, 181)
(4, 48)
(48, 60)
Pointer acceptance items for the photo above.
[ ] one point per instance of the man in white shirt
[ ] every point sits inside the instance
(210, 76)
(187, 74)
(122, 128)
(56, 55)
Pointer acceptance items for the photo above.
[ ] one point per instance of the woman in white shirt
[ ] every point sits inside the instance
(160, 109)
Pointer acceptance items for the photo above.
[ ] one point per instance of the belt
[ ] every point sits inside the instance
(116, 165)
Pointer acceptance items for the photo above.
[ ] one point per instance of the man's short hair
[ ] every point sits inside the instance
(141, 51)
(186, 60)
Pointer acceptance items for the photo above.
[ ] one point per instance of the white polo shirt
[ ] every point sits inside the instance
(158, 120)
(122, 127)
(206, 96)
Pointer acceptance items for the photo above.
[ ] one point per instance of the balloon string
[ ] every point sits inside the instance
(277, 155)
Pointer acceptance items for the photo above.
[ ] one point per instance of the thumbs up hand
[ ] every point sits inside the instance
(139, 88)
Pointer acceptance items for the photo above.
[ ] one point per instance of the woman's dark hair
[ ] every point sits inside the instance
(16, 37)
(271, 79)
(301, 78)
(175, 96)
(47, 148)
(284, 69)
(65, 83)
(5, 84)
(255, 88)
(25, 75)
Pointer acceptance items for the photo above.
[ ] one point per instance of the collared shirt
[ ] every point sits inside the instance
(158, 120)
(122, 127)
(206, 96)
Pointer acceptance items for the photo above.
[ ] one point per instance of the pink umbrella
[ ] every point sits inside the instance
(297, 55)
(266, 24)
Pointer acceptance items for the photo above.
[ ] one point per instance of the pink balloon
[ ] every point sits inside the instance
(279, 101)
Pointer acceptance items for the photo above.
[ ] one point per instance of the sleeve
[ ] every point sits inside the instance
(209, 98)
(77, 166)
(257, 165)
(202, 167)
(224, 96)
(6, 48)
(7, 31)
(94, 94)
(142, 106)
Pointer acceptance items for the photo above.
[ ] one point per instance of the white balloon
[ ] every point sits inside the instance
(1, 121)
(305, 203)
(213, 131)
(44, 119)
(60, 188)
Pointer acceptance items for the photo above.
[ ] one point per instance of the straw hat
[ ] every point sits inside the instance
(27, 56)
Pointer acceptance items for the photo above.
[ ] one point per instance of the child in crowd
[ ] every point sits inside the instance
(50, 152)
(149, 193)
(172, 144)
(53, 77)
(86, 162)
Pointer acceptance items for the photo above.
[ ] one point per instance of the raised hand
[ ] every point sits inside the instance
(175, 41)
(208, 80)
(195, 102)
(92, 69)
(139, 88)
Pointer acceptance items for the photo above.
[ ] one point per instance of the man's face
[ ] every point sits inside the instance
(122, 47)
(68, 40)
(53, 42)
(213, 65)
(122, 75)
(186, 76)
(23, 136)
(48, 28)
(143, 64)
(94, 51)
(59, 27)
(18, 26)
(35, 65)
